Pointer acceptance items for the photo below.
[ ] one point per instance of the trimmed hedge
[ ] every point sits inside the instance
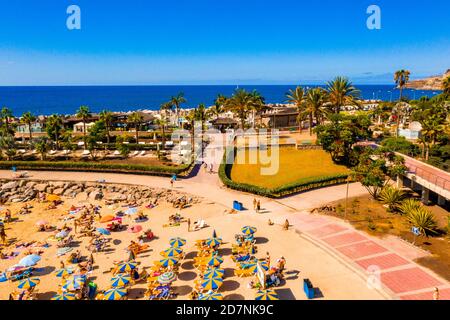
(287, 189)
(96, 167)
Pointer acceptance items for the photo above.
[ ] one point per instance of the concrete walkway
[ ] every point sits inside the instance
(389, 259)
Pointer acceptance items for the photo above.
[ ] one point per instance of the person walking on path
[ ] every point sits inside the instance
(286, 225)
(3, 234)
(189, 224)
(258, 206)
(436, 294)
(255, 202)
(210, 168)
(171, 182)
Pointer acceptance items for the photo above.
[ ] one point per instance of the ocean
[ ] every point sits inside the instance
(67, 99)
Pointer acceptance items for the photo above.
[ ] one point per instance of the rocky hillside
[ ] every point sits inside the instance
(431, 83)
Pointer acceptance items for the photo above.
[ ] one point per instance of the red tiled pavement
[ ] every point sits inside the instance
(343, 239)
(329, 229)
(408, 280)
(387, 261)
(444, 294)
(360, 250)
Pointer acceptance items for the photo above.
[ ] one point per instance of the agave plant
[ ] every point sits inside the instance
(423, 219)
(409, 205)
(392, 197)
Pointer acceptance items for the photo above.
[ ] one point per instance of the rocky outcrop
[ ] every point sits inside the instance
(25, 190)
(431, 83)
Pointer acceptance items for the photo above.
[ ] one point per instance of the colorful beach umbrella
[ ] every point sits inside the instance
(65, 296)
(253, 266)
(214, 273)
(211, 296)
(114, 294)
(127, 266)
(247, 230)
(177, 242)
(135, 229)
(107, 218)
(167, 277)
(75, 282)
(28, 283)
(63, 251)
(212, 242)
(120, 280)
(268, 294)
(103, 231)
(61, 273)
(215, 261)
(212, 283)
(168, 262)
(29, 260)
(171, 252)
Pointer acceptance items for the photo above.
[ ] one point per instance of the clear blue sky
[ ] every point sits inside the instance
(211, 41)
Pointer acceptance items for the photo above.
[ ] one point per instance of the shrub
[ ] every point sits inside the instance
(392, 197)
(423, 219)
(409, 205)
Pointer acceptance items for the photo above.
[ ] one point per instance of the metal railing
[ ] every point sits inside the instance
(429, 176)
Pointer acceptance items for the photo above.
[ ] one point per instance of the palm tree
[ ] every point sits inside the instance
(401, 78)
(217, 109)
(446, 85)
(341, 92)
(297, 97)
(84, 114)
(162, 123)
(107, 117)
(432, 127)
(53, 127)
(136, 119)
(177, 101)
(28, 118)
(201, 114)
(42, 147)
(190, 117)
(313, 106)
(242, 103)
(5, 114)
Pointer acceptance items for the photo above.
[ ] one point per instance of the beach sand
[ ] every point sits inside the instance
(304, 259)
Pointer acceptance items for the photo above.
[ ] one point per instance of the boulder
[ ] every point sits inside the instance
(58, 191)
(41, 187)
(82, 196)
(96, 195)
(10, 185)
(115, 196)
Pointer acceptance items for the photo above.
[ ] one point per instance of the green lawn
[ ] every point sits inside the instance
(294, 165)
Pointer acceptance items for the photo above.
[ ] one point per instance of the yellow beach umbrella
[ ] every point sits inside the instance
(268, 294)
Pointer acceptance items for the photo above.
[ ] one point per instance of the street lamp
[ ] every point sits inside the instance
(349, 179)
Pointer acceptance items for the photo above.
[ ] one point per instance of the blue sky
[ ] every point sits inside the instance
(219, 42)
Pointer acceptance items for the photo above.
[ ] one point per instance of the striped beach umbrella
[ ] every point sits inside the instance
(167, 277)
(214, 273)
(253, 266)
(28, 283)
(247, 230)
(211, 296)
(177, 242)
(64, 296)
(75, 282)
(127, 266)
(114, 294)
(120, 280)
(168, 262)
(215, 261)
(63, 272)
(172, 252)
(212, 283)
(212, 242)
(268, 294)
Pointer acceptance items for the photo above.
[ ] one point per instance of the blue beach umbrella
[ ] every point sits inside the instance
(28, 283)
(212, 283)
(211, 296)
(247, 230)
(214, 273)
(168, 262)
(64, 296)
(212, 242)
(75, 282)
(30, 260)
(114, 294)
(120, 280)
(64, 272)
(171, 252)
(215, 261)
(268, 294)
(167, 277)
(177, 242)
(131, 211)
(127, 266)
(104, 231)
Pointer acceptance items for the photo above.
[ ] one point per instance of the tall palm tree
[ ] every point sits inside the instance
(201, 114)
(432, 127)
(401, 78)
(446, 86)
(84, 114)
(162, 123)
(242, 103)
(341, 92)
(190, 117)
(177, 101)
(28, 118)
(297, 97)
(53, 126)
(107, 117)
(314, 106)
(136, 119)
(6, 114)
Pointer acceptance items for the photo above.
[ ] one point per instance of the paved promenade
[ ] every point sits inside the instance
(401, 278)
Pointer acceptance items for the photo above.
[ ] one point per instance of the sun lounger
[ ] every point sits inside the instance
(142, 153)
(134, 154)
(66, 152)
(22, 151)
(52, 152)
(116, 153)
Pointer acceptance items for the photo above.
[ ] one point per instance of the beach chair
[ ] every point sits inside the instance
(52, 152)
(116, 153)
(135, 153)
(143, 152)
